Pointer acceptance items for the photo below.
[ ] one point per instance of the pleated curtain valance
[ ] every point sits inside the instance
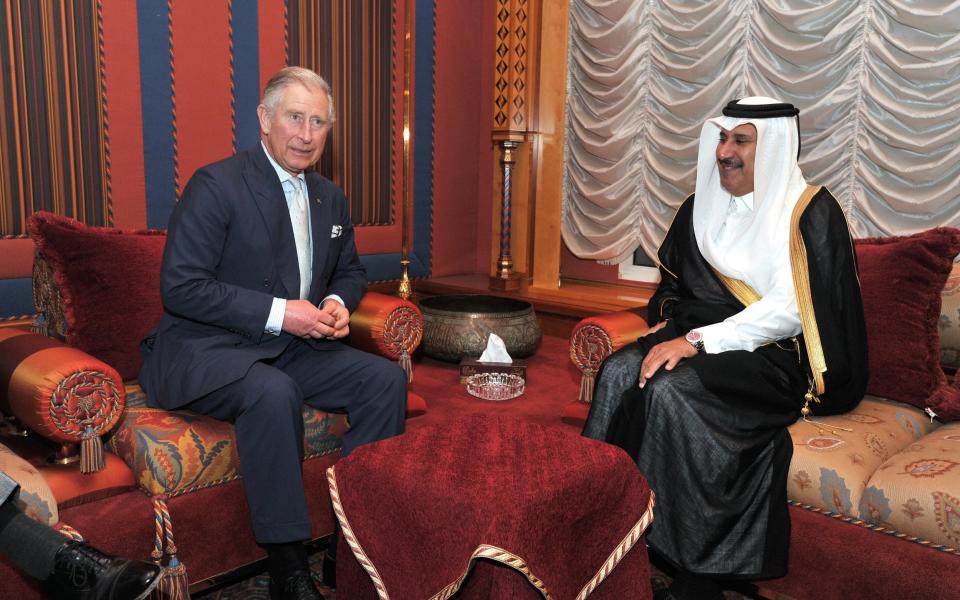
(877, 82)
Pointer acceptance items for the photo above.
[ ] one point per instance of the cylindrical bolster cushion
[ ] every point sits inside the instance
(59, 392)
(386, 325)
(595, 338)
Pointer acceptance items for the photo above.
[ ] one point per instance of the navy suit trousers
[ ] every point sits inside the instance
(265, 408)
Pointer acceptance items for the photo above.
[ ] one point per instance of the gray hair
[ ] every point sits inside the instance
(289, 75)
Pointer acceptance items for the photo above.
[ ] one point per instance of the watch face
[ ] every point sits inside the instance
(694, 336)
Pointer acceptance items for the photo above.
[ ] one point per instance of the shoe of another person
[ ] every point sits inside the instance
(329, 572)
(81, 572)
(296, 585)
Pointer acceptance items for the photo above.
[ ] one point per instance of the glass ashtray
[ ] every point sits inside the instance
(494, 386)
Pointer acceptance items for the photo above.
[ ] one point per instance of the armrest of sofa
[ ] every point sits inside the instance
(59, 392)
(388, 326)
(595, 338)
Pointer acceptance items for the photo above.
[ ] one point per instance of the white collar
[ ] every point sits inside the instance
(745, 201)
(282, 173)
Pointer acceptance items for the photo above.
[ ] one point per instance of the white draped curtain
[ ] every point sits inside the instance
(877, 82)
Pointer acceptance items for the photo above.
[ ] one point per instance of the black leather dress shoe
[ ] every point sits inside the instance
(296, 585)
(82, 572)
(329, 572)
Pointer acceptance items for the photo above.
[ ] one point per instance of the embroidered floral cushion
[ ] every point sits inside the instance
(917, 491)
(830, 467)
(176, 452)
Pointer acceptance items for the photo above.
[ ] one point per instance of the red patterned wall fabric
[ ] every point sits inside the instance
(53, 121)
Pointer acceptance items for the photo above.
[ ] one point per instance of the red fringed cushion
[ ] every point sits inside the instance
(110, 283)
(902, 279)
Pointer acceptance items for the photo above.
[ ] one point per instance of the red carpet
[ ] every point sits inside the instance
(552, 382)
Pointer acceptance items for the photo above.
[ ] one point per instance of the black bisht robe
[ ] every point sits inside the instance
(710, 436)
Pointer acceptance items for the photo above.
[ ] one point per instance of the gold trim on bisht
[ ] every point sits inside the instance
(741, 290)
(669, 227)
(801, 285)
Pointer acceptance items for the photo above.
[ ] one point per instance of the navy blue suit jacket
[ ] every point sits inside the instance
(230, 250)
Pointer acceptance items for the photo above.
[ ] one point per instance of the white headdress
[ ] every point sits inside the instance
(755, 252)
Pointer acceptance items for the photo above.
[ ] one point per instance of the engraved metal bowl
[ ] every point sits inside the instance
(495, 386)
(457, 326)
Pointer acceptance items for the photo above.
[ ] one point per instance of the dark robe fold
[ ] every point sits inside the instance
(710, 436)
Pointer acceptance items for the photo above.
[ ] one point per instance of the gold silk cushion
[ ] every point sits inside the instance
(57, 391)
(386, 325)
(177, 452)
(35, 497)
(950, 321)
(596, 338)
(831, 468)
(917, 491)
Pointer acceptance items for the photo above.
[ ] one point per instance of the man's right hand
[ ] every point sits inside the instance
(303, 319)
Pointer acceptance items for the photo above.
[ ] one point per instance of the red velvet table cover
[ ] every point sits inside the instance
(532, 511)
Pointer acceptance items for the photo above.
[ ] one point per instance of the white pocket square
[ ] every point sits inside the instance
(336, 231)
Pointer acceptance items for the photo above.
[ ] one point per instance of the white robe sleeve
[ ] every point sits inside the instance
(773, 317)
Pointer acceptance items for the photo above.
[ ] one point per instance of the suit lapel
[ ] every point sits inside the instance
(263, 182)
(320, 224)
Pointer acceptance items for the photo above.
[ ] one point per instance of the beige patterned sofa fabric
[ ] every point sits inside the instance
(915, 491)
(35, 498)
(831, 467)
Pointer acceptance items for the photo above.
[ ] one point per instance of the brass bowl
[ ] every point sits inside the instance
(457, 326)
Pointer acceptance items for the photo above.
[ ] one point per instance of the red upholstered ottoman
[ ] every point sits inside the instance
(493, 507)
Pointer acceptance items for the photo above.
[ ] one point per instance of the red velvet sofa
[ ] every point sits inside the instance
(132, 480)
(874, 494)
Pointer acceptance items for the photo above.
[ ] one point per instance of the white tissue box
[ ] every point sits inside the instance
(472, 366)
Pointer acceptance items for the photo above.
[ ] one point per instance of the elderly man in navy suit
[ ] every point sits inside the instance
(259, 276)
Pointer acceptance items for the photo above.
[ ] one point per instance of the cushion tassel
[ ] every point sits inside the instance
(586, 386)
(91, 452)
(407, 365)
(174, 584)
(69, 532)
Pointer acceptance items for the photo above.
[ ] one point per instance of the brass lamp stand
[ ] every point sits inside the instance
(505, 280)
(405, 288)
(514, 121)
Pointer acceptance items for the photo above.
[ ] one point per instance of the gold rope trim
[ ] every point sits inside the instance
(874, 527)
(741, 290)
(503, 557)
(489, 552)
(625, 545)
(801, 284)
(351, 538)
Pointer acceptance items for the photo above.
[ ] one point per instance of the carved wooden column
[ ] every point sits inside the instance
(517, 30)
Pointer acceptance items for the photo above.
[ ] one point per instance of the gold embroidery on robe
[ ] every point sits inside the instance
(801, 284)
